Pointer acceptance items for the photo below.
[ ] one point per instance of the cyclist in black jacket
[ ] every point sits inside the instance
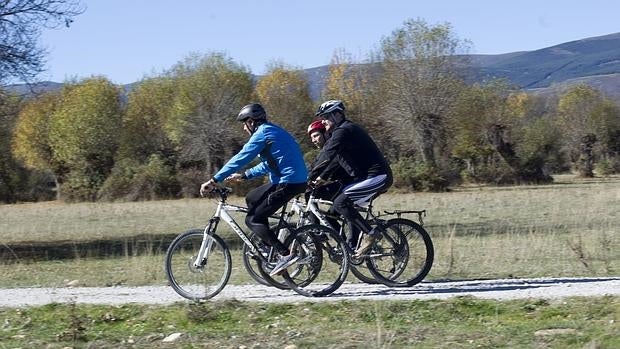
(360, 157)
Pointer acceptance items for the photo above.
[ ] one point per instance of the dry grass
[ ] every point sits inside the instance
(57, 221)
(565, 229)
(567, 205)
(570, 204)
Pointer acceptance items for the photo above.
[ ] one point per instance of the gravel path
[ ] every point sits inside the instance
(485, 289)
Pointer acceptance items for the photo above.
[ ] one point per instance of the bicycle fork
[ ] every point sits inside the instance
(205, 246)
(207, 241)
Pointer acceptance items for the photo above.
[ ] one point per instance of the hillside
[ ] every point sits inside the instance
(594, 61)
(541, 68)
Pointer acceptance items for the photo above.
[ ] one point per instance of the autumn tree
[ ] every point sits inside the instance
(84, 134)
(421, 82)
(146, 159)
(211, 90)
(352, 82)
(494, 134)
(30, 142)
(21, 21)
(284, 94)
(590, 124)
(356, 84)
(17, 182)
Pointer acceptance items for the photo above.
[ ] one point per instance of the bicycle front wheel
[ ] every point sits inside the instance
(324, 261)
(197, 280)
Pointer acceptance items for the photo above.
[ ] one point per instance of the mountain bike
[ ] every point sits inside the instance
(198, 262)
(402, 258)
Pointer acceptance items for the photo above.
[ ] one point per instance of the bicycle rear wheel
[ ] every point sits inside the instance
(197, 282)
(386, 256)
(324, 261)
(412, 259)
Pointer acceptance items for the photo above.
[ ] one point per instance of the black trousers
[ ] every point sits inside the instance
(264, 201)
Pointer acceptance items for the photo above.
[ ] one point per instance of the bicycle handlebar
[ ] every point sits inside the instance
(221, 191)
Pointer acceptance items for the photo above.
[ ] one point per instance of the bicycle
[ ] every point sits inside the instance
(198, 262)
(404, 256)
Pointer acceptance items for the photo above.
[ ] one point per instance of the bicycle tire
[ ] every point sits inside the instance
(324, 261)
(386, 256)
(419, 250)
(253, 266)
(205, 281)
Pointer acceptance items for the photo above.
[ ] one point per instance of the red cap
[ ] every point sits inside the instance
(316, 126)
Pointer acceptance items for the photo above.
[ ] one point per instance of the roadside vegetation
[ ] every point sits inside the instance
(456, 323)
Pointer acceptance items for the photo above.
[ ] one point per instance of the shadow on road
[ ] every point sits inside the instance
(462, 287)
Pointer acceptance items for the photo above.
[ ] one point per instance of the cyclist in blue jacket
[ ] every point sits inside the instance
(281, 158)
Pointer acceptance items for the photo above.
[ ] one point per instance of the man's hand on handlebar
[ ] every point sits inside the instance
(316, 183)
(207, 187)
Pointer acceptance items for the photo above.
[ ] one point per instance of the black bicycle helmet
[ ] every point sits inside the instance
(252, 111)
(329, 107)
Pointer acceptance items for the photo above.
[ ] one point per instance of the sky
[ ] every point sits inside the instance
(127, 40)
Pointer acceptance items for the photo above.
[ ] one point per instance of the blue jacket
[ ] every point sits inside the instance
(278, 151)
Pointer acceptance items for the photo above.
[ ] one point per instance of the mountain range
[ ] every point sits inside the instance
(594, 61)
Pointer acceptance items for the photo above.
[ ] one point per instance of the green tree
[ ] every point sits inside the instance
(146, 116)
(146, 159)
(84, 134)
(10, 170)
(284, 94)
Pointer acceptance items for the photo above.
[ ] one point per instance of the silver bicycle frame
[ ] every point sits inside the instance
(301, 209)
(221, 212)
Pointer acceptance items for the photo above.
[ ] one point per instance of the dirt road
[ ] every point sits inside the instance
(484, 289)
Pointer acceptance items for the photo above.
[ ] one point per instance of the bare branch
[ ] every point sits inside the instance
(21, 22)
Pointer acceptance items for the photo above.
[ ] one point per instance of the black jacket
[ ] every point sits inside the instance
(330, 166)
(355, 152)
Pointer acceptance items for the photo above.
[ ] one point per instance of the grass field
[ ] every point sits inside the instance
(570, 228)
(567, 205)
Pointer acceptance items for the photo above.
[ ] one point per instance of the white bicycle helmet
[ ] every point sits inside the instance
(329, 107)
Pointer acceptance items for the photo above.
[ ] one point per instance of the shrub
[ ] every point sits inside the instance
(154, 180)
(150, 181)
(81, 185)
(609, 166)
(413, 175)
